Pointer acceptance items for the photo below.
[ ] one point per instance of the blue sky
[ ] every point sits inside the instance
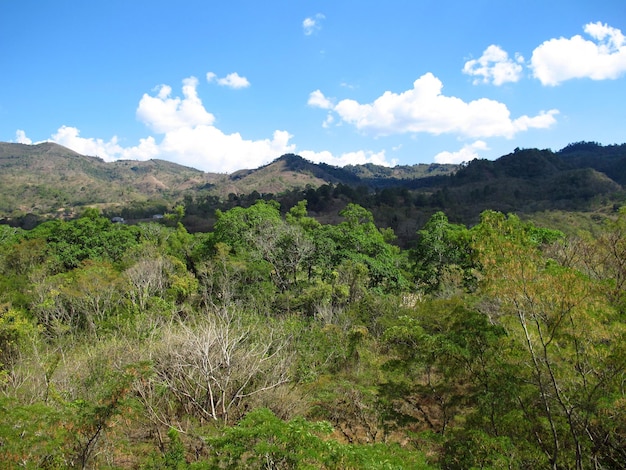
(221, 86)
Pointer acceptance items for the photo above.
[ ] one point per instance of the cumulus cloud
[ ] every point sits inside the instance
(203, 147)
(495, 67)
(468, 153)
(312, 24)
(189, 137)
(109, 150)
(210, 149)
(601, 58)
(196, 142)
(164, 114)
(318, 100)
(425, 109)
(232, 80)
(20, 137)
(359, 157)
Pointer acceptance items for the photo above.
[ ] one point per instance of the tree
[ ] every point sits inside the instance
(15, 330)
(258, 232)
(91, 293)
(261, 440)
(213, 366)
(441, 248)
(239, 227)
(148, 277)
(357, 239)
(96, 238)
(567, 340)
(443, 362)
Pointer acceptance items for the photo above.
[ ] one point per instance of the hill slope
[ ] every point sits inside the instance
(47, 178)
(50, 180)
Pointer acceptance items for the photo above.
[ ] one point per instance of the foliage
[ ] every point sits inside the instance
(567, 336)
(32, 436)
(147, 346)
(261, 440)
(96, 238)
(441, 247)
(358, 241)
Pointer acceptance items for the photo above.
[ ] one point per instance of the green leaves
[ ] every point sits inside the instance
(562, 328)
(262, 440)
(94, 238)
(15, 330)
(441, 247)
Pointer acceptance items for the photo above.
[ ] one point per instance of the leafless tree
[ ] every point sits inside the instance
(210, 367)
(147, 277)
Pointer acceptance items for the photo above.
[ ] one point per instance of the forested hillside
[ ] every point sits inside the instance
(47, 181)
(276, 340)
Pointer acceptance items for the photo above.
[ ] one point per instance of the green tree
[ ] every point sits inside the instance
(568, 340)
(441, 248)
(261, 440)
(359, 240)
(259, 233)
(71, 242)
(239, 227)
(15, 331)
(91, 293)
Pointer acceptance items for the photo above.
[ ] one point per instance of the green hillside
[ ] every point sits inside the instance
(45, 181)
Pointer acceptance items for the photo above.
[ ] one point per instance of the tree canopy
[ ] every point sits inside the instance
(278, 341)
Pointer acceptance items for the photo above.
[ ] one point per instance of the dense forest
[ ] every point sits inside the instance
(275, 340)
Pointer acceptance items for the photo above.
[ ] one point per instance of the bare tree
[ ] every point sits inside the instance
(212, 366)
(147, 277)
(285, 247)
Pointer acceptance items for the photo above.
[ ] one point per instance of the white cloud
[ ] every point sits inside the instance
(188, 136)
(208, 148)
(232, 80)
(424, 109)
(203, 147)
(359, 157)
(70, 137)
(328, 121)
(312, 24)
(558, 60)
(109, 151)
(468, 153)
(495, 67)
(318, 100)
(164, 114)
(20, 137)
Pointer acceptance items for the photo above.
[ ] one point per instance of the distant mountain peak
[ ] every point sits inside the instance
(8, 149)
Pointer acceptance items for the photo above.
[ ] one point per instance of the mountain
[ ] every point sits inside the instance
(285, 173)
(528, 181)
(609, 159)
(48, 180)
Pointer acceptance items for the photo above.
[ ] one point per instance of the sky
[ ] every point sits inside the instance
(222, 86)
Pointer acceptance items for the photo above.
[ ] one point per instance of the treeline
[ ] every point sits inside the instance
(581, 177)
(277, 341)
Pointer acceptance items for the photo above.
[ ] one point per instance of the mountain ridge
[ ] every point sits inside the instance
(46, 177)
(48, 180)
